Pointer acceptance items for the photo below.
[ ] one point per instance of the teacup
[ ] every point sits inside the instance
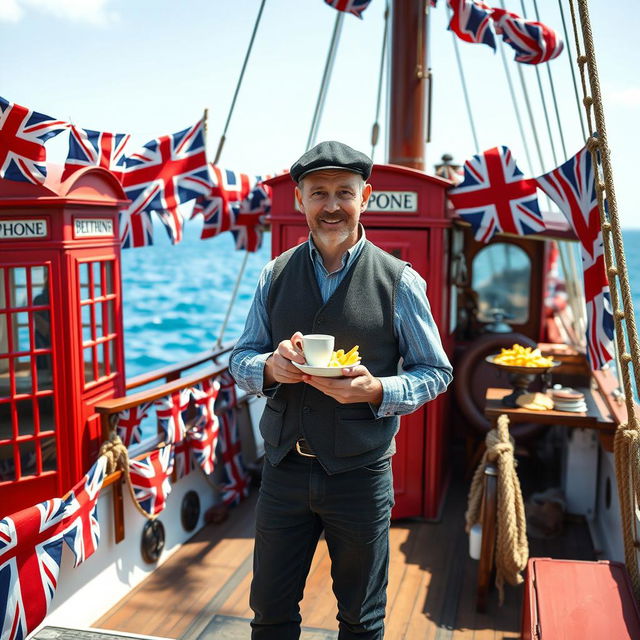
(317, 349)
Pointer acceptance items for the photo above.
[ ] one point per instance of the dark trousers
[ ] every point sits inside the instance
(298, 500)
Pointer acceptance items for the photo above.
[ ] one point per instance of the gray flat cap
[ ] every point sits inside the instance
(331, 155)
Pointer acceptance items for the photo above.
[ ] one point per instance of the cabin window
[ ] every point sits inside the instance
(97, 314)
(27, 417)
(502, 280)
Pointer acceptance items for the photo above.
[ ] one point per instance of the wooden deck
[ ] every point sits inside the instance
(431, 591)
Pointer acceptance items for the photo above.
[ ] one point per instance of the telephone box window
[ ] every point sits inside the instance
(97, 313)
(26, 373)
(502, 278)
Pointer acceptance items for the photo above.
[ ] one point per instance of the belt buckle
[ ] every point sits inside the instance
(301, 452)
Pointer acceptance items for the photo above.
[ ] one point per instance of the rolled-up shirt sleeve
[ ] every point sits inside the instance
(425, 369)
(254, 345)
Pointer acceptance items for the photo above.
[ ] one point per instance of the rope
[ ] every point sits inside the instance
(626, 447)
(516, 107)
(326, 77)
(512, 549)
(464, 87)
(573, 73)
(223, 137)
(118, 458)
(375, 130)
(542, 100)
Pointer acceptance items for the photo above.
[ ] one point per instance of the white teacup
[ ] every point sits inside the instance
(317, 349)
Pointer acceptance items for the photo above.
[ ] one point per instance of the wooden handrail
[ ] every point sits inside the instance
(173, 371)
(115, 405)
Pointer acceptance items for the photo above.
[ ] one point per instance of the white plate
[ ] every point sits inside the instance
(323, 372)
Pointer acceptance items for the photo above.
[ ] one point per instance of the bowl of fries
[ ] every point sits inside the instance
(522, 364)
(519, 359)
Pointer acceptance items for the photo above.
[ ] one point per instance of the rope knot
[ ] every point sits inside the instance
(593, 143)
(115, 452)
(582, 59)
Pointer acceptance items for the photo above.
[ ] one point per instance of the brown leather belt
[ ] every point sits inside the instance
(303, 448)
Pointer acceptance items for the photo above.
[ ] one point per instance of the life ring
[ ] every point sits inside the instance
(473, 376)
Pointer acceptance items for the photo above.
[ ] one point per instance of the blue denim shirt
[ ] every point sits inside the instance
(425, 370)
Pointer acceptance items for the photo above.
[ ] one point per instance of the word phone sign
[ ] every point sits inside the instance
(23, 229)
(396, 201)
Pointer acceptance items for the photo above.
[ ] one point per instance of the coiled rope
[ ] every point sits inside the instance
(627, 439)
(512, 548)
(118, 459)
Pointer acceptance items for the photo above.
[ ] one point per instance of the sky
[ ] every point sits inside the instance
(150, 67)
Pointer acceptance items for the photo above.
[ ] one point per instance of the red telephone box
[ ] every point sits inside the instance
(61, 346)
(406, 217)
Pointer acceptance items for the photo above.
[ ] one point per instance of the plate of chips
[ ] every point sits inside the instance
(339, 360)
(519, 359)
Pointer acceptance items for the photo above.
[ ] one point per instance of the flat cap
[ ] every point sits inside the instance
(331, 155)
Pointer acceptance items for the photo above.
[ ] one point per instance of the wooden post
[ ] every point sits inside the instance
(489, 514)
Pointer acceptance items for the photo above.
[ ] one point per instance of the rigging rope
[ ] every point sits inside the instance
(375, 131)
(627, 438)
(464, 87)
(223, 137)
(542, 100)
(516, 108)
(512, 548)
(326, 77)
(573, 73)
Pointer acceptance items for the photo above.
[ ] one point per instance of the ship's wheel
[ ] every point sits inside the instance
(473, 376)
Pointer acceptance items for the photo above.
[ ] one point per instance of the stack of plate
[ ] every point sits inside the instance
(567, 399)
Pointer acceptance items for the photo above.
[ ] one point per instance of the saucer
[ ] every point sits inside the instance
(323, 372)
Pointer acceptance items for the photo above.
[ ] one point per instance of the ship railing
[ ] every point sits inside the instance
(174, 381)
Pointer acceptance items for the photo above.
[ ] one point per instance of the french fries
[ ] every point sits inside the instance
(341, 359)
(519, 356)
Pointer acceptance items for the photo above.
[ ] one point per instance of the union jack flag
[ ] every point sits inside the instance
(128, 423)
(235, 483)
(356, 7)
(494, 197)
(169, 411)
(572, 187)
(82, 533)
(204, 437)
(23, 133)
(166, 172)
(471, 21)
(30, 556)
(136, 229)
(150, 479)
(89, 148)
(250, 216)
(228, 187)
(533, 42)
(182, 457)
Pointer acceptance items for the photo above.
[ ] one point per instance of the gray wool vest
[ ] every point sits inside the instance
(360, 311)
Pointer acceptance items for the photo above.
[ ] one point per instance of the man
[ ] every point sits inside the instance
(329, 441)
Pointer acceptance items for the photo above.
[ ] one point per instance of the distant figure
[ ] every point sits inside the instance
(329, 441)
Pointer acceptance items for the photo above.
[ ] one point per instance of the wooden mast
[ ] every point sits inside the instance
(408, 79)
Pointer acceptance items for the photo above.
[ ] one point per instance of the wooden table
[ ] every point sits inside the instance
(597, 416)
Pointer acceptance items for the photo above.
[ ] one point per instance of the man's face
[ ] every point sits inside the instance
(332, 201)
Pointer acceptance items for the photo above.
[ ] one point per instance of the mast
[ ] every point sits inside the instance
(407, 118)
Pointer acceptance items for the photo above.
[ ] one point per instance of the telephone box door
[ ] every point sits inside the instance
(31, 382)
(408, 463)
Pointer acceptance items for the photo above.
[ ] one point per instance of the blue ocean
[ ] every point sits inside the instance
(176, 297)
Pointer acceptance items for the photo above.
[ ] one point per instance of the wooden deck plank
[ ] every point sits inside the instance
(431, 593)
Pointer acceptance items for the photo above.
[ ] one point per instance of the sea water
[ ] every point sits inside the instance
(176, 296)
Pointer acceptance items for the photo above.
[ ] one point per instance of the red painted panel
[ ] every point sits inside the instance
(575, 600)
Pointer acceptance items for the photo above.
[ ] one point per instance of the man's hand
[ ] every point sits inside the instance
(358, 385)
(278, 367)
